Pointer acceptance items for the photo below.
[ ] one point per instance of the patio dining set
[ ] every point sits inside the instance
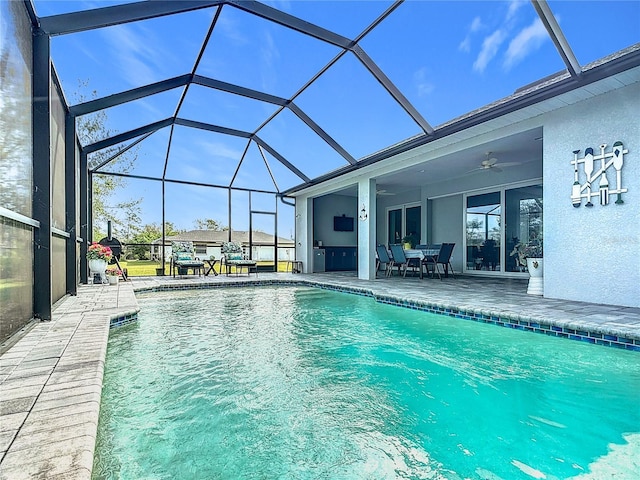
(434, 259)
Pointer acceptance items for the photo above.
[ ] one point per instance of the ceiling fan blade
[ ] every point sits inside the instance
(492, 161)
(507, 164)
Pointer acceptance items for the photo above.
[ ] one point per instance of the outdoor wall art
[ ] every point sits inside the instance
(595, 168)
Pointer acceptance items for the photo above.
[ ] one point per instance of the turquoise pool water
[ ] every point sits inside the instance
(302, 383)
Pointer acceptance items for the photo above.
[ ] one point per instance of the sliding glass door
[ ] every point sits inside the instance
(496, 222)
(403, 221)
(483, 218)
(523, 223)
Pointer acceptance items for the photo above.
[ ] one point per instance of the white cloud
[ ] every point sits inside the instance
(134, 54)
(269, 55)
(423, 86)
(514, 6)
(231, 30)
(218, 149)
(527, 41)
(476, 25)
(489, 50)
(284, 5)
(465, 45)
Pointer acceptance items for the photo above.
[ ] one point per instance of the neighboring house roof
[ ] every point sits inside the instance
(219, 236)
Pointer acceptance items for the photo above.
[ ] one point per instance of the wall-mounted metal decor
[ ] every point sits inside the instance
(595, 170)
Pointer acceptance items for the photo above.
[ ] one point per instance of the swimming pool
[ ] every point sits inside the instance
(298, 383)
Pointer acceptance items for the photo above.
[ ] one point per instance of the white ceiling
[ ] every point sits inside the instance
(520, 151)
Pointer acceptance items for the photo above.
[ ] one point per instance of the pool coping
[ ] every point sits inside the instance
(52, 377)
(51, 381)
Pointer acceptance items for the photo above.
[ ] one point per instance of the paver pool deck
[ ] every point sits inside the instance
(51, 373)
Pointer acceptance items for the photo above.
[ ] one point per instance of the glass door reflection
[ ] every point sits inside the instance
(523, 223)
(483, 232)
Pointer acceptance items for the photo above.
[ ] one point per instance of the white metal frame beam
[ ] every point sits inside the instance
(558, 38)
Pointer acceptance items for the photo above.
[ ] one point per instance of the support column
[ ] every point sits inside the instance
(71, 175)
(42, 175)
(304, 234)
(366, 219)
(164, 232)
(85, 224)
(425, 204)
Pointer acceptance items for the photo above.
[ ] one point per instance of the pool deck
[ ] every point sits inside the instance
(51, 372)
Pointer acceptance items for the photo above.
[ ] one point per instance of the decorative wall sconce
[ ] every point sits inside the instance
(363, 213)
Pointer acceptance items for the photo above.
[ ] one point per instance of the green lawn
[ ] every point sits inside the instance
(146, 268)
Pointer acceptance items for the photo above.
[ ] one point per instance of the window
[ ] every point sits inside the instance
(394, 226)
(412, 223)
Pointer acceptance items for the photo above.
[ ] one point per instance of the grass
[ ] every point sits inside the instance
(147, 268)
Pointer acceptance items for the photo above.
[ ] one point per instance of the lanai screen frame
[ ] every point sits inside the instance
(46, 27)
(120, 14)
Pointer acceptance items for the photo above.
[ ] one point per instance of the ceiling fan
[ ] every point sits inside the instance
(382, 192)
(491, 163)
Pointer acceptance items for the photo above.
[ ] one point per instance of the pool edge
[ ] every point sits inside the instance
(592, 334)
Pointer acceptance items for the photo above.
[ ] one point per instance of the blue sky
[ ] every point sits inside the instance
(447, 58)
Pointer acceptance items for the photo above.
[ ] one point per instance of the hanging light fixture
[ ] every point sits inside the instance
(363, 213)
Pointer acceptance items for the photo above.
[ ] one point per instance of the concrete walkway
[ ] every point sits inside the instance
(51, 378)
(51, 383)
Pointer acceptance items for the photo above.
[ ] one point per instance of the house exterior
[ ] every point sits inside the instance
(572, 175)
(208, 243)
(559, 158)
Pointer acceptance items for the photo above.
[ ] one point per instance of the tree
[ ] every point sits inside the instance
(108, 201)
(473, 231)
(146, 235)
(207, 224)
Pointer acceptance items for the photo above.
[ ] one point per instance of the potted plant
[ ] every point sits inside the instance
(409, 241)
(531, 255)
(98, 256)
(113, 275)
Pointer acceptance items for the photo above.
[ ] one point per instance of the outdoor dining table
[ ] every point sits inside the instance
(422, 255)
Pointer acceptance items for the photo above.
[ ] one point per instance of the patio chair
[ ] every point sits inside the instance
(404, 263)
(443, 258)
(383, 259)
(183, 258)
(239, 262)
(429, 253)
(490, 253)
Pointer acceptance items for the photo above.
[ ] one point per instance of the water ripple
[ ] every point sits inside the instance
(300, 383)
